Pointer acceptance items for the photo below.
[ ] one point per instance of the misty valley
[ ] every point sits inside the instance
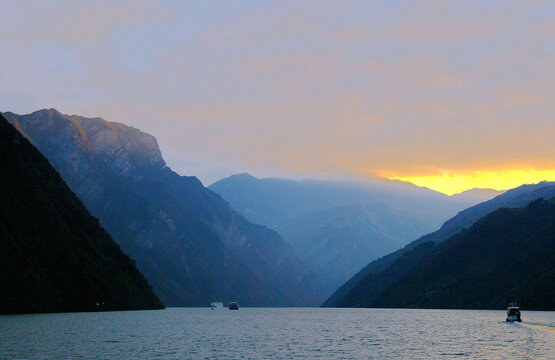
(94, 220)
(260, 242)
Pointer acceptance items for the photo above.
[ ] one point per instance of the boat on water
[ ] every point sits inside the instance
(216, 305)
(233, 305)
(513, 312)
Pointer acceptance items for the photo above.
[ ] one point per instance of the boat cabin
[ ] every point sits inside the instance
(233, 306)
(513, 312)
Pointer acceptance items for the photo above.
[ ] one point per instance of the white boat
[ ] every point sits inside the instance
(216, 305)
(513, 312)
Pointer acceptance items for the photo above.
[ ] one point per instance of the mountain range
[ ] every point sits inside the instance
(54, 256)
(194, 248)
(370, 286)
(188, 242)
(338, 226)
(275, 202)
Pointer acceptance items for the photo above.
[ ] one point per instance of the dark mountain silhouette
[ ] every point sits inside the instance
(54, 256)
(508, 254)
(190, 244)
(380, 274)
(338, 226)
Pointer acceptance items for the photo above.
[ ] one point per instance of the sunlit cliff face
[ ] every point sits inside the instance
(452, 182)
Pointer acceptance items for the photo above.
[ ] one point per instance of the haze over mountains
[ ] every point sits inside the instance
(337, 226)
(275, 202)
(195, 248)
(54, 256)
(190, 244)
(477, 195)
(369, 286)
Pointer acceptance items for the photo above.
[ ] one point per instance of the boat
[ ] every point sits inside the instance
(513, 312)
(216, 305)
(233, 306)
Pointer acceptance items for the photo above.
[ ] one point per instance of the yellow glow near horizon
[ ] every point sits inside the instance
(453, 182)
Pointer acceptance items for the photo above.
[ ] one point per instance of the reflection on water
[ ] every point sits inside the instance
(269, 333)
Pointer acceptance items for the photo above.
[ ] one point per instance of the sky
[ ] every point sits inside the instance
(449, 95)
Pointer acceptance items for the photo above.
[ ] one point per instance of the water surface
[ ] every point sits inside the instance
(277, 333)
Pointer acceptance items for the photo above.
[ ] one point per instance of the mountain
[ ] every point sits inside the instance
(339, 241)
(338, 226)
(54, 255)
(508, 254)
(190, 244)
(275, 202)
(477, 195)
(379, 274)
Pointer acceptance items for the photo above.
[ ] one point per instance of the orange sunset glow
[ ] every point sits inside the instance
(445, 95)
(453, 182)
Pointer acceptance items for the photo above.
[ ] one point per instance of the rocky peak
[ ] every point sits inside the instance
(183, 236)
(126, 150)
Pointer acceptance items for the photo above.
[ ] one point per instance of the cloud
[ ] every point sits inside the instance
(349, 89)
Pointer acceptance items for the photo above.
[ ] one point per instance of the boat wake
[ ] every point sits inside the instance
(541, 327)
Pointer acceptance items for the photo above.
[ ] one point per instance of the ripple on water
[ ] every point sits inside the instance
(269, 333)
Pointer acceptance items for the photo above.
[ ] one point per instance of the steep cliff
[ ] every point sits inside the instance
(54, 256)
(190, 244)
